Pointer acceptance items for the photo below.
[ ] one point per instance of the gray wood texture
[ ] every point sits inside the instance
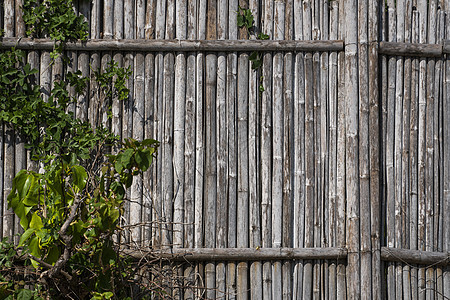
(331, 182)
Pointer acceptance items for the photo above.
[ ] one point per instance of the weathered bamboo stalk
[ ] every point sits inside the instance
(137, 205)
(413, 128)
(8, 175)
(33, 60)
(210, 167)
(422, 9)
(277, 149)
(9, 18)
(20, 25)
(149, 115)
(341, 292)
(250, 254)
(157, 45)
(254, 142)
(266, 147)
(403, 188)
(411, 256)
(363, 148)
(446, 169)
(397, 139)
(352, 154)
(390, 146)
(374, 147)
(332, 166)
(299, 154)
(235, 283)
(179, 129)
(430, 172)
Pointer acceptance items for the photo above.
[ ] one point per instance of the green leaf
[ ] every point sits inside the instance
(79, 177)
(24, 237)
(36, 222)
(24, 294)
(53, 255)
(34, 248)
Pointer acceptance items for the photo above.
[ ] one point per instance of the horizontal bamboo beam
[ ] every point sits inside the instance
(259, 254)
(415, 256)
(411, 49)
(241, 254)
(176, 45)
(387, 48)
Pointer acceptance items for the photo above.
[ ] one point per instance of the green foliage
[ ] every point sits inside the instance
(245, 19)
(71, 211)
(55, 19)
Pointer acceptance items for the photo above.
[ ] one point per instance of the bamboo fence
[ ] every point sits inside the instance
(331, 182)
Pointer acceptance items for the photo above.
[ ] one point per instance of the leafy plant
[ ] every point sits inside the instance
(70, 211)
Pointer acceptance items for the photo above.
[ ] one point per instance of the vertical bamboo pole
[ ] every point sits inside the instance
(406, 181)
(374, 147)
(332, 174)
(33, 60)
(136, 205)
(167, 175)
(413, 124)
(8, 175)
(235, 220)
(138, 125)
(266, 153)
(383, 135)
(364, 156)
(341, 292)
(299, 153)
(8, 140)
(118, 30)
(438, 131)
(179, 128)
(3, 212)
(210, 167)
(239, 86)
(277, 149)
(254, 107)
(317, 173)
(20, 25)
(309, 153)
(9, 18)
(324, 144)
(149, 116)
(422, 9)
(446, 167)
(288, 153)
(390, 143)
(211, 150)
(94, 63)
(179, 134)
(430, 167)
(200, 140)
(108, 19)
(222, 145)
(397, 139)
(160, 25)
(309, 173)
(352, 169)
(20, 153)
(243, 142)
(189, 144)
(9, 137)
